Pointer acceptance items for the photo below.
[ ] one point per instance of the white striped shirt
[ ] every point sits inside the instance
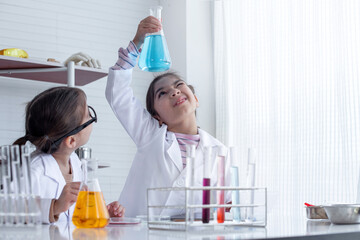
(186, 139)
(127, 57)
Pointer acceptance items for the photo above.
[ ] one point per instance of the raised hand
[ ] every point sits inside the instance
(147, 25)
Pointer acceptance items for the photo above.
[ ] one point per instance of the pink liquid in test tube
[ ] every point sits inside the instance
(206, 201)
(206, 183)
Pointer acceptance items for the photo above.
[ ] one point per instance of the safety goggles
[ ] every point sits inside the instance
(93, 116)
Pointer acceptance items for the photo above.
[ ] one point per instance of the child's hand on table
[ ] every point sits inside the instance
(115, 209)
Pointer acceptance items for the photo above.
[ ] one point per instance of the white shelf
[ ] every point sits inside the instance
(47, 71)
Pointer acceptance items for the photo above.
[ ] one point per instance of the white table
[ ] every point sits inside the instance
(285, 228)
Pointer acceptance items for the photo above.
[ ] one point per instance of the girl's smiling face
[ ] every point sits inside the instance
(174, 101)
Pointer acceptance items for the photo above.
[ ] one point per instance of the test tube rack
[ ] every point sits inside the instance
(159, 221)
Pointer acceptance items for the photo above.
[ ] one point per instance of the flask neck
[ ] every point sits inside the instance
(89, 169)
(92, 185)
(156, 12)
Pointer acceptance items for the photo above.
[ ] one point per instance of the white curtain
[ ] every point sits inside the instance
(287, 84)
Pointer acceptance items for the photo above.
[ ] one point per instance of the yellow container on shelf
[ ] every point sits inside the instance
(14, 52)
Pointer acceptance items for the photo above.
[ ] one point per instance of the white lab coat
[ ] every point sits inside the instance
(48, 182)
(157, 162)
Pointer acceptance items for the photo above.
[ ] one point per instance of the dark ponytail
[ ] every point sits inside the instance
(50, 115)
(21, 141)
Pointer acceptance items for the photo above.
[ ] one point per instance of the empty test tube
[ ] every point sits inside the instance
(251, 181)
(234, 171)
(190, 162)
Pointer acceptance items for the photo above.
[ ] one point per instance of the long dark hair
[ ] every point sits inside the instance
(50, 115)
(150, 95)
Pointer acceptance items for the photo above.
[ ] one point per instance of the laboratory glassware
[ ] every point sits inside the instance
(83, 152)
(358, 190)
(5, 181)
(179, 223)
(154, 56)
(251, 181)
(206, 183)
(18, 206)
(32, 208)
(190, 174)
(90, 209)
(17, 199)
(221, 183)
(234, 172)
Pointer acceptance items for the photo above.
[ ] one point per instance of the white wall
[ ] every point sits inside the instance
(199, 60)
(57, 29)
(188, 30)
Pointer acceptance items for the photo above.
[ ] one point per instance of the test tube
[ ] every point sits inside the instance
(251, 181)
(190, 162)
(221, 183)
(206, 183)
(234, 172)
(5, 172)
(358, 190)
(32, 210)
(2, 195)
(18, 201)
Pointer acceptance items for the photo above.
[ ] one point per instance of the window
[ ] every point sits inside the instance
(287, 82)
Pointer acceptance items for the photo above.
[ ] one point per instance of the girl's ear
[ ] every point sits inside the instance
(159, 120)
(70, 142)
(197, 101)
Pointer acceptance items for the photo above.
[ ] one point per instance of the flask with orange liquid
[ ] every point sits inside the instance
(90, 209)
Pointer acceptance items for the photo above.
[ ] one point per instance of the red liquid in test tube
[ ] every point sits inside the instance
(221, 183)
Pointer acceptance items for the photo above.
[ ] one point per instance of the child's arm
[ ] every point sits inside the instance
(46, 201)
(139, 124)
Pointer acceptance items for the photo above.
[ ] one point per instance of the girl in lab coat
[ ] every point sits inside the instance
(58, 121)
(160, 132)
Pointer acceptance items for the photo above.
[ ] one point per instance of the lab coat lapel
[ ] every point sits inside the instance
(52, 171)
(75, 164)
(208, 140)
(174, 150)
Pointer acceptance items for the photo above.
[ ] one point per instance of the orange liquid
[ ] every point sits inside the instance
(90, 210)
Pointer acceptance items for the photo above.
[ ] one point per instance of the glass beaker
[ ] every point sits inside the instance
(90, 209)
(154, 56)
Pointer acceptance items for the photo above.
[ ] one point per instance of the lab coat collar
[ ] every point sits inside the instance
(207, 140)
(174, 150)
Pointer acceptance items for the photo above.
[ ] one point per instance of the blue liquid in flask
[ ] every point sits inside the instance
(155, 55)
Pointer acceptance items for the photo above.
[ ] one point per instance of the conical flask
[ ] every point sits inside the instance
(154, 56)
(90, 209)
